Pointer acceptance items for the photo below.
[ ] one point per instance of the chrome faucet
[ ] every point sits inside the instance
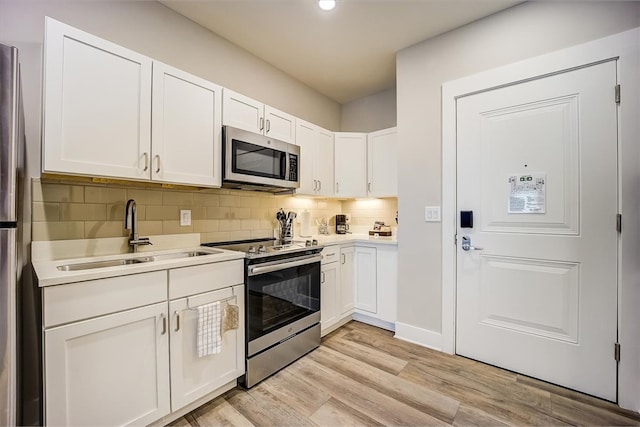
(130, 223)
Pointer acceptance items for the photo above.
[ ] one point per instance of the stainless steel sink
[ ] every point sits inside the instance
(136, 260)
(178, 255)
(100, 264)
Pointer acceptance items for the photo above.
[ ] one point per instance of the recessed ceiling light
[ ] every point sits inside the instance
(326, 4)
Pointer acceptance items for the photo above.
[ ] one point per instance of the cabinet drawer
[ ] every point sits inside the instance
(330, 254)
(187, 281)
(82, 300)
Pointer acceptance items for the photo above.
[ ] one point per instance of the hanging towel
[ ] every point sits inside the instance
(230, 317)
(209, 341)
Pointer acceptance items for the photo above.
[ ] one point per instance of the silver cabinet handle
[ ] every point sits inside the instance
(319, 185)
(261, 123)
(337, 187)
(315, 185)
(146, 161)
(322, 281)
(164, 324)
(343, 258)
(268, 125)
(466, 244)
(177, 320)
(369, 187)
(157, 159)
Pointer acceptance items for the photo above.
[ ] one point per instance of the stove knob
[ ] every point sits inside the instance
(252, 249)
(307, 243)
(262, 249)
(314, 242)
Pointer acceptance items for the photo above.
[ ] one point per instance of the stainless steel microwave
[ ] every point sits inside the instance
(257, 162)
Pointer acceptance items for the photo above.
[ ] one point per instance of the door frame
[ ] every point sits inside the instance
(625, 47)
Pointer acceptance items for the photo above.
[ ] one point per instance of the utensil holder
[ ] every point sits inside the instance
(286, 232)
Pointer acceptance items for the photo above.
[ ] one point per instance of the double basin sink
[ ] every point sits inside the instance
(134, 260)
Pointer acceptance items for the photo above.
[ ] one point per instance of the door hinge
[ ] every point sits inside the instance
(617, 94)
(619, 223)
(616, 351)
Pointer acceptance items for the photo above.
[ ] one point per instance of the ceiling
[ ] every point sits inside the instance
(346, 53)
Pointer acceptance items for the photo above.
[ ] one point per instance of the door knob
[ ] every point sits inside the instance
(466, 244)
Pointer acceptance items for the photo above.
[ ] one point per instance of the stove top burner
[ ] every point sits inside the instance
(258, 248)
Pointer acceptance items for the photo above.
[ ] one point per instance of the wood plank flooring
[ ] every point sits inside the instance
(362, 376)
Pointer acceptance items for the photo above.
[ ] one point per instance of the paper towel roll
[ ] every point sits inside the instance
(305, 224)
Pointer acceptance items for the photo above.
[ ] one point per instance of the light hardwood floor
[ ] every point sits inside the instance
(361, 375)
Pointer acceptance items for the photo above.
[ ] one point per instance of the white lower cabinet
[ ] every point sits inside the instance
(110, 370)
(329, 295)
(376, 285)
(193, 377)
(118, 351)
(365, 279)
(336, 293)
(346, 280)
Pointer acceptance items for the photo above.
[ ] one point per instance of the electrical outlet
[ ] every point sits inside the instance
(432, 213)
(185, 217)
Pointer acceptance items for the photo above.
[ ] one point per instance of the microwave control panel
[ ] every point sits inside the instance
(293, 167)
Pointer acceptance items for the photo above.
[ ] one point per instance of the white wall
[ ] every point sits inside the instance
(371, 113)
(518, 33)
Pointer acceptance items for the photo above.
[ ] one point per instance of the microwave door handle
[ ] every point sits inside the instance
(284, 162)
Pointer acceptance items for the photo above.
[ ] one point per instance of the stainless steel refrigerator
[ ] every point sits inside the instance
(11, 168)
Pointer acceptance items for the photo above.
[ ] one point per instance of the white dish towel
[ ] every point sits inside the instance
(209, 340)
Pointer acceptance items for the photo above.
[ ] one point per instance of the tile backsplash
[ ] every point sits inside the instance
(69, 210)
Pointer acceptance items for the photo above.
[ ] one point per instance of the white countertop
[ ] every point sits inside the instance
(340, 239)
(48, 256)
(46, 262)
(49, 274)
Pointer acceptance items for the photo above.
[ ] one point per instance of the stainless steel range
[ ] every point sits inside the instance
(282, 289)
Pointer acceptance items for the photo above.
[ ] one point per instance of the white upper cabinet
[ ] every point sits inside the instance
(382, 163)
(350, 164)
(186, 133)
(316, 159)
(242, 112)
(97, 105)
(99, 102)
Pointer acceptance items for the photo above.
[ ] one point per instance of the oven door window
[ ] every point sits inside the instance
(281, 297)
(256, 160)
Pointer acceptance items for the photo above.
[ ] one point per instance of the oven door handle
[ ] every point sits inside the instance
(277, 265)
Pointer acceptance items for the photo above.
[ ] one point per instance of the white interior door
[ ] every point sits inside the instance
(537, 165)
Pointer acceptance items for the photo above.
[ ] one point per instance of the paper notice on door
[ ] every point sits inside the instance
(527, 193)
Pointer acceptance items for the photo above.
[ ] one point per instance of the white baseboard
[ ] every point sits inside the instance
(415, 335)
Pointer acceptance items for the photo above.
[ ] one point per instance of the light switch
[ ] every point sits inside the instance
(185, 217)
(432, 213)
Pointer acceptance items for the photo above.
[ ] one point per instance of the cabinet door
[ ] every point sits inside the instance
(242, 112)
(350, 164)
(97, 106)
(365, 279)
(324, 158)
(187, 118)
(193, 377)
(110, 370)
(279, 125)
(382, 167)
(346, 280)
(329, 296)
(306, 139)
